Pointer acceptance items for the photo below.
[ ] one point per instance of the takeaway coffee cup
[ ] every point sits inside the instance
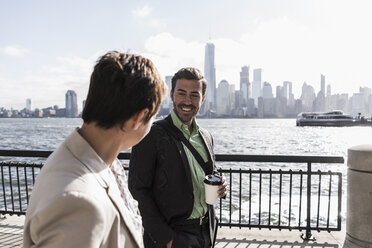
(211, 183)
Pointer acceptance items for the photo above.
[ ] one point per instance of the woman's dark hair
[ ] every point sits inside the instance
(189, 73)
(122, 85)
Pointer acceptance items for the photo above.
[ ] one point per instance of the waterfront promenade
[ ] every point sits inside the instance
(11, 229)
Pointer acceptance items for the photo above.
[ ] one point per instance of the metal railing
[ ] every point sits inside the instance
(315, 196)
(274, 199)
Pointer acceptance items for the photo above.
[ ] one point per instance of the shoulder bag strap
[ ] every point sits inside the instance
(176, 133)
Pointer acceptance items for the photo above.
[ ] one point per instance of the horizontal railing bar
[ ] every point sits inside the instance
(13, 212)
(279, 227)
(278, 172)
(25, 153)
(219, 157)
(22, 165)
(278, 158)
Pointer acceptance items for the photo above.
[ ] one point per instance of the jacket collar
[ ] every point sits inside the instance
(207, 138)
(83, 152)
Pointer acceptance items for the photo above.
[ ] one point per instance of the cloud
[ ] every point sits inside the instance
(14, 51)
(170, 53)
(155, 23)
(285, 49)
(142, 12)
(48, 84)
(290, 50)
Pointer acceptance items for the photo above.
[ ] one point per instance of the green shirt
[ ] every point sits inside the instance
(197, 173)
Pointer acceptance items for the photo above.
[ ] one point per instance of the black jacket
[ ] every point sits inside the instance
(160, 180)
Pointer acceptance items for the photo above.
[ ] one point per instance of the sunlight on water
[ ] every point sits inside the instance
(282, 136)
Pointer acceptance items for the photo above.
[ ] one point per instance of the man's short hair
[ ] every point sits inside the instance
(122, 85)
(189, 73)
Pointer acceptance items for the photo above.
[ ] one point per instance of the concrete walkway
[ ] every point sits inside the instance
(11, 228)
(263, 238)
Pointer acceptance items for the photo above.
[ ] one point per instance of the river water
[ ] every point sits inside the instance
(231, 136)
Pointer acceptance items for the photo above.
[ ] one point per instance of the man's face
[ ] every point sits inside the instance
(187, 99)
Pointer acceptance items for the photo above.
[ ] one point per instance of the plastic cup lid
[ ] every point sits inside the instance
(213, 180)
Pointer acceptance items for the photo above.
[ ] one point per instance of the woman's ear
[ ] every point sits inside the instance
(139, 118)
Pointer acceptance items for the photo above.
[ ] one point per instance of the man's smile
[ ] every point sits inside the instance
(186, 108)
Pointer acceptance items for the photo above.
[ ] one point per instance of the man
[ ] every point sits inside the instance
(166, 175)
(80, 198)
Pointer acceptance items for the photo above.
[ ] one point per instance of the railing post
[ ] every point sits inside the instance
(359, 200)
(308, 235)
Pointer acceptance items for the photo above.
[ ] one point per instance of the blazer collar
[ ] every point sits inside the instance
(83, 152)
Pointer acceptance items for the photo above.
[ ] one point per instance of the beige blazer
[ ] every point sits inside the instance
(76, 203)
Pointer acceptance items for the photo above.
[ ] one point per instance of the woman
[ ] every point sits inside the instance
(80, 198)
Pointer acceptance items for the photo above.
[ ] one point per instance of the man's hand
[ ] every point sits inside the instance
(222, 189)
(169, 245)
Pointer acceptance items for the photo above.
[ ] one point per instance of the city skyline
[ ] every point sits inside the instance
(269, 104)
(247, 97)
(50, 47)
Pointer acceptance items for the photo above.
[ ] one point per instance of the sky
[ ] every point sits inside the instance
(49, 46)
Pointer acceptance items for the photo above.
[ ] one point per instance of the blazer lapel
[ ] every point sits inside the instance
(114, 194)
(207, 139)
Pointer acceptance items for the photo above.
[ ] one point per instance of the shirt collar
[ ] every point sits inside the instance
(182, 126)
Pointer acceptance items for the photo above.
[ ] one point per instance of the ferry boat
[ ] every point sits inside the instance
(335, 118)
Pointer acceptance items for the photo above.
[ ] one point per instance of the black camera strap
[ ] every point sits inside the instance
(178, 135)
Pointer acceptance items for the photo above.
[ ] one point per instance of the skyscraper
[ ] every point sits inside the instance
(167, 103)
(307, 97)
(28, 104)
(71, 104)
(210, 76)
(244, 83)
(322, 84)
(256, 85)
(287, 89)
(267, 91)
(329, 90)
(279, 91)
(223, 98)
(287, 93)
